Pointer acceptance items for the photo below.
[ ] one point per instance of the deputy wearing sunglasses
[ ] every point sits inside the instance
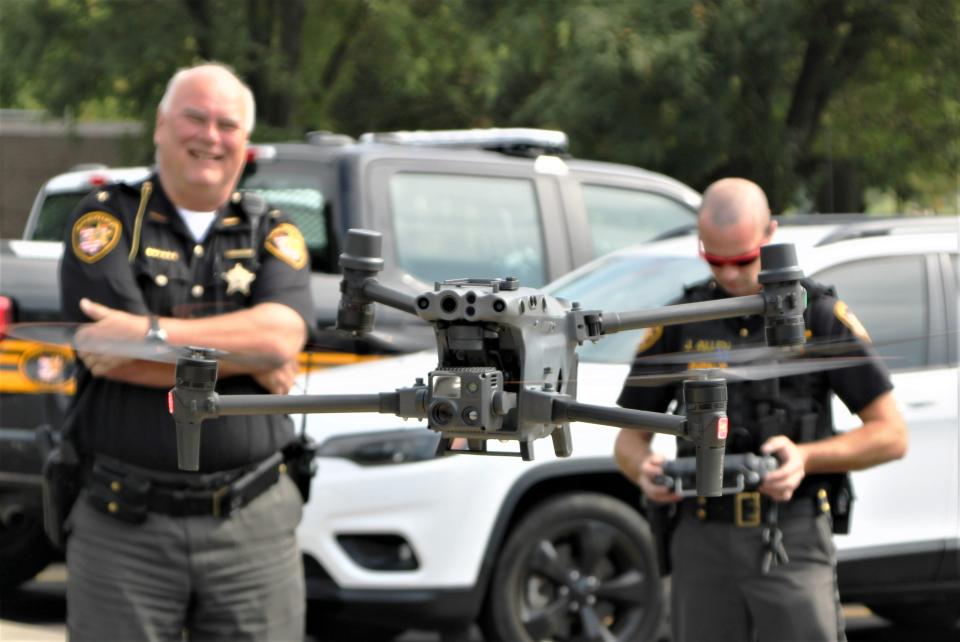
(761, 565)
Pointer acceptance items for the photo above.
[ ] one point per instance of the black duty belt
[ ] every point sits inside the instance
(750, 509)
(130, 492)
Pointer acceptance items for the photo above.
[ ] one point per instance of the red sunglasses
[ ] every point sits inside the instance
(740, 260)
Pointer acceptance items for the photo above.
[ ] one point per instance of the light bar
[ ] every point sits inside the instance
(261, 153)
(511, 139)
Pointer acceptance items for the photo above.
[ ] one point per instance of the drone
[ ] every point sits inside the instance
(507, 362)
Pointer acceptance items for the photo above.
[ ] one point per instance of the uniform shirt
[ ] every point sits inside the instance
(826, 320)
(128, 248)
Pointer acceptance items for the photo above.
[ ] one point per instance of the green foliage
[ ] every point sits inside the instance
(816, 100)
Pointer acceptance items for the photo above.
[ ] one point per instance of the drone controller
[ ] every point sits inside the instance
(740, 472)
(507, 361)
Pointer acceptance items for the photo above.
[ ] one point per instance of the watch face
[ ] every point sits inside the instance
(156, 333)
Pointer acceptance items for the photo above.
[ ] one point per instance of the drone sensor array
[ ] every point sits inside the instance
(507, 362)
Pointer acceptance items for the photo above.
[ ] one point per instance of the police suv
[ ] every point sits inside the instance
(449, 202)
(559, 548)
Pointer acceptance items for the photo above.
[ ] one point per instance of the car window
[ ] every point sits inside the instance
(627, 284)
(451, 226)
(889, 296)
(953, 311)
(54, 212)
(620, 217)
(301, 198)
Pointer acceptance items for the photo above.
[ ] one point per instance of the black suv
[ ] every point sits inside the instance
(474, 203)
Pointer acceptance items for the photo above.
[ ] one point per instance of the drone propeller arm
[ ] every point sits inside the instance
(705, 423)
(683, 313)
(384, 402)
(566, 409)
(781, 302)
(376, 291)
(192, 400)
(359, 289)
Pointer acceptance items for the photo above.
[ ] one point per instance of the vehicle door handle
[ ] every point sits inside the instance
(925, 403)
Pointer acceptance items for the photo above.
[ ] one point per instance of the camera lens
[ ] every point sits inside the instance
(448, 304)
(443, 413)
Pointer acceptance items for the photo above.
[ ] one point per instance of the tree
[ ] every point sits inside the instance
(817, 101)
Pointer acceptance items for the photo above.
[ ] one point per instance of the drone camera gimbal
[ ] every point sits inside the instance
(507, 362)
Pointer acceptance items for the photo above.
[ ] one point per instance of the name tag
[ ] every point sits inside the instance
(163, 255)
(239, 253)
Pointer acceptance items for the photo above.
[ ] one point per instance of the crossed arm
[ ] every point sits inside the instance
(268, 336)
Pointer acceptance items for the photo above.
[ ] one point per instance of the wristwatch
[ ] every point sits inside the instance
(156, 334)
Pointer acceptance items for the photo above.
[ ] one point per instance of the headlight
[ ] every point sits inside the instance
(384, 447)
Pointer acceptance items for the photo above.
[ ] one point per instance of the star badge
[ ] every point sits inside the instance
(238, 279)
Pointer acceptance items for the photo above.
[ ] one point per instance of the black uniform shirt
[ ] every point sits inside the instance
(826, 319)
(151, 264)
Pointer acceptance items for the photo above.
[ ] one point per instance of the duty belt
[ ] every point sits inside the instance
(130, 492)
(752, 510)
(748, 509)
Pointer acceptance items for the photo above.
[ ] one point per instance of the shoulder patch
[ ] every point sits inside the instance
(649, 337)
(849, 319)
(94, 235)
(286, 243)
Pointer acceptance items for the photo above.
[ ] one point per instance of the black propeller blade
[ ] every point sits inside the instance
(69, 335)
(751, 372)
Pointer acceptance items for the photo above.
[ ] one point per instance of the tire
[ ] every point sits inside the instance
(579, 567)
(24, 550)
(323, 625)
(927, 615)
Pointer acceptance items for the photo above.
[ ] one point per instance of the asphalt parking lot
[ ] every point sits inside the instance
(36, 613)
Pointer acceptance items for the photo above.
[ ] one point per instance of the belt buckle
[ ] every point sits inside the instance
(217, 498)
(746, 509)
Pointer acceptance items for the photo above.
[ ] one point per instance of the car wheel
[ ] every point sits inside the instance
(323, 625)
(24, 550)
(579, 567)
(935, 615)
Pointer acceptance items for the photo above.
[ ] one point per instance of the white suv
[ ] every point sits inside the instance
(559, 549)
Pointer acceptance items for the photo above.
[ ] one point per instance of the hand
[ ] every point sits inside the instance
(280, 380)
(780, 484)
(650, 467)
(109, 325)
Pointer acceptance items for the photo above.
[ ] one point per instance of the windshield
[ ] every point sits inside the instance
(54, 211)
(297, 190)
(458, 225)
(627, 283)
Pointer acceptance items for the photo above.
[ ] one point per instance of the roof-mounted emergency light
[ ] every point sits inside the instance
(512, 140)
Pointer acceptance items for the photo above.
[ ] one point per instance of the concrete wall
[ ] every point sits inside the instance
(32, 149)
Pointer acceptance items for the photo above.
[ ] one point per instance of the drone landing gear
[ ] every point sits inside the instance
(479, 447)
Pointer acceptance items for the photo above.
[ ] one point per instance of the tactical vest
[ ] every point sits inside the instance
(797, 406)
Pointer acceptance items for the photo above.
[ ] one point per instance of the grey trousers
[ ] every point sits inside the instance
(718, 592)
(188, 578)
